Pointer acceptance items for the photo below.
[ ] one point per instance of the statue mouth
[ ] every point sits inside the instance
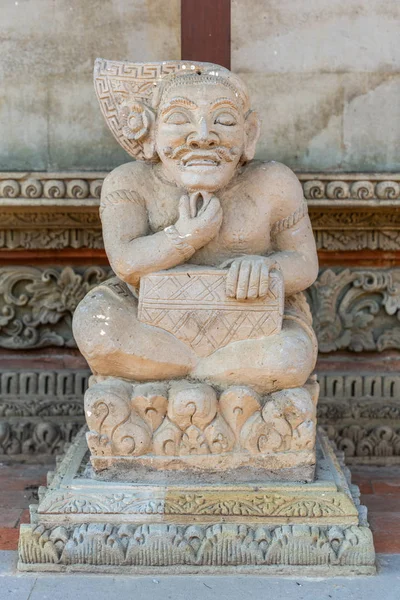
(201, 160)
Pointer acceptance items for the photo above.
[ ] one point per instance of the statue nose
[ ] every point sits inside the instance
(202, 139)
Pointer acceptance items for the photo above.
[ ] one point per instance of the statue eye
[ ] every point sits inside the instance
(225, 119)
(177, 118)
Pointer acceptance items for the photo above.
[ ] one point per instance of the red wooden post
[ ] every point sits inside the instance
(206, 31)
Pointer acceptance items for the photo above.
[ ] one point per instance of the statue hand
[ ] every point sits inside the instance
(248, 277)
(199, 227)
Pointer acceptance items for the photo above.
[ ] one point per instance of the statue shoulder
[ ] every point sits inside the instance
(130, 176)
(282, 189)
(126, 183)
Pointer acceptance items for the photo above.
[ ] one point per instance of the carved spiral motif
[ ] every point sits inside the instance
(387, 190)
(77, 188)
(31, 188)
(337, 189)
(9, 188)
(54, 188)
(314, 190)
(95, 187)
(364, 190)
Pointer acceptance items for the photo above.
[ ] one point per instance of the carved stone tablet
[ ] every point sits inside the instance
(194, 307)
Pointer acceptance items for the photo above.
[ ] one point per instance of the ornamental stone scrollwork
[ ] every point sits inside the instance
(356, 309)
(167, 424)
(51, 185)
(88, 185)
(353, 309)
(361, 413)
(214, 545)
(40, 411)
(359, 187)
(27, 437)
(36, 305)
(368, 217)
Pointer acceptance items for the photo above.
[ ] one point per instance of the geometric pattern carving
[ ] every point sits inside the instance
(318, 528)
(116, 82)
(353, 309)
(40, 411)
(354, 212)
(194, 307)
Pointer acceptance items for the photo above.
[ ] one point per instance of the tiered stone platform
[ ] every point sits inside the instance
(85, 524)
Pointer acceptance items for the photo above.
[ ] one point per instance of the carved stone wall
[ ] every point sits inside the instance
(356, 309)
(353, 309)
(60, 210)
(41, 410)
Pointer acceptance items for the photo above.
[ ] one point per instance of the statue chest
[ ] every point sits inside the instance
(245, 227)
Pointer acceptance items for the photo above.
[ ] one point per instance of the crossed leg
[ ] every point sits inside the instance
(115, 343)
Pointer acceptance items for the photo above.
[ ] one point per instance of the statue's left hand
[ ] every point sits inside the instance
(248, 277)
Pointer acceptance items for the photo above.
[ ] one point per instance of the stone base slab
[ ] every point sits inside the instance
(285, 528)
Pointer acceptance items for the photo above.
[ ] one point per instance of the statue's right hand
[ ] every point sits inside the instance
(199, 229)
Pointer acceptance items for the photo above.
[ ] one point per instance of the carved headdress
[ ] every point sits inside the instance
(129, 95)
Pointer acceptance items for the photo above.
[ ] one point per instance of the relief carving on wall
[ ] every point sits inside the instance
(38, 210)
(353, 309)
(36, 305)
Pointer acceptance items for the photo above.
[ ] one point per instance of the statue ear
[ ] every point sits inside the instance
(137, 124)
(252, 132)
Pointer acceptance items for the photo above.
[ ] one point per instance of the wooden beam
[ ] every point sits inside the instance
(206, 31)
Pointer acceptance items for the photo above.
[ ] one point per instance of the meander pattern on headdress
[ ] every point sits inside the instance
(125, 88)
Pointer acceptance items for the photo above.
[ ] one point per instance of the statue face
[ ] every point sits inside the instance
(200, 135)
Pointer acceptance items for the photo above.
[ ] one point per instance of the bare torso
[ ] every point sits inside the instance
(246, 221)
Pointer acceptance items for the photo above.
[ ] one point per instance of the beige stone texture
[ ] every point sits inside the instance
(212, 252)
(189, 430)
(48, 113)
(293, 50)
(286, 528)
(323, 77)
(280, 36)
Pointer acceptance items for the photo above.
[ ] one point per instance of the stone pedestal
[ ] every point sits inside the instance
(85, 524)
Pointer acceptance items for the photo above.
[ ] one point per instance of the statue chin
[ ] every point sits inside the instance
(209, 178)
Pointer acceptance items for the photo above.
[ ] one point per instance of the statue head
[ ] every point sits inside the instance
(193, 117)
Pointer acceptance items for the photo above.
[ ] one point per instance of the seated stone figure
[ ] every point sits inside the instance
(202, 343)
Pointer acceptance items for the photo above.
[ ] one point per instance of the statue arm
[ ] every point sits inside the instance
(292, 237)
(131, 249)
(296, 254)
(293, 248)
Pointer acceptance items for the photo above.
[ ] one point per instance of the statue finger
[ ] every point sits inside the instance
(184, 206)
(207, 197)
(232, 279)
(254, 281)
(212, 207)
(264, 281)
(243, 280)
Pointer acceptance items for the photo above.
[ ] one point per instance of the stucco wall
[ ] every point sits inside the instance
(324, 75)
(49, 116)
(325, 78)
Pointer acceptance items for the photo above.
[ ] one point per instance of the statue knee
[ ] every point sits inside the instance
(298, 358)
(91, 324)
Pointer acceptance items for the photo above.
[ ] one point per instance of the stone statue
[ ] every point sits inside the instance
(201, 346)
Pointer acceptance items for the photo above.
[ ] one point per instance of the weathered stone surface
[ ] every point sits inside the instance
(48, 111)
(344, 112)
(82, 524)
(212, 253)
(183, 430)
(353, 211)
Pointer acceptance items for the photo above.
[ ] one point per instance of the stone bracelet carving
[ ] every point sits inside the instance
(179, 242)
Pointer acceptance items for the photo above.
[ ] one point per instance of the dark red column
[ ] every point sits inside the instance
(206, 31)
